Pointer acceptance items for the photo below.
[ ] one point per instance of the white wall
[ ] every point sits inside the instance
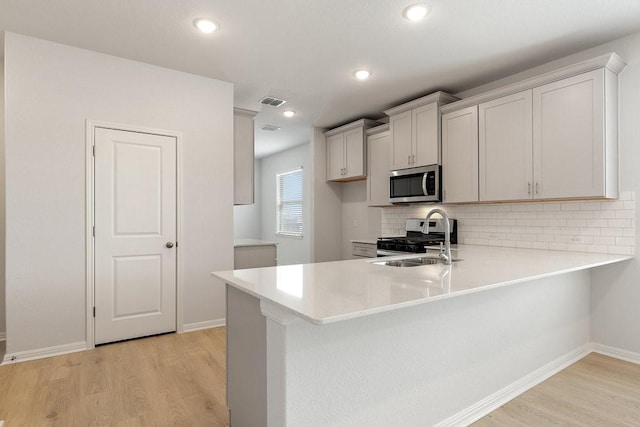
(2, 206)
(291, 250)
(247, 223)
(326, 210)
(359, 221)
(51, 90)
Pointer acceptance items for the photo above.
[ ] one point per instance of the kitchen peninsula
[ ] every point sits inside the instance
(359, 343)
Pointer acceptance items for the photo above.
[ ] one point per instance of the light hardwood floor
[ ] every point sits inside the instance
(596, 391)
(173, 379)
(180, 380)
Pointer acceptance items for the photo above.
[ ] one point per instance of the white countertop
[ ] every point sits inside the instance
(333, 291)
(251, 242)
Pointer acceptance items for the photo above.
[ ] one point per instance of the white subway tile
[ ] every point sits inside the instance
(590, 232)
(605, 231)
(600, 249)
(620, 223)
(625, 241)
(513, 236)
(620, 250)
(576, 223)
(627, 232)
(590, 206)
(615, 205)
(570, 206)
(626, 195)
(629, 204)
(530, 237)
(604, 214)
(576, 247)
(523, 244)
(551, 207)
(546, 237)
(592, 223)
(557, 222)
(604, 240)
(625, 214)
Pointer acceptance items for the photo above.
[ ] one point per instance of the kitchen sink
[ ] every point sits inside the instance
(413, 262)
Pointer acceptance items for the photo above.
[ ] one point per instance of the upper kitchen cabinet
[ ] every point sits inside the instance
(415, 131)
(378, 141)
(506, 148)
(553, 136)
(346, 151)
(460, 156)
(575, 144)
(243, 155)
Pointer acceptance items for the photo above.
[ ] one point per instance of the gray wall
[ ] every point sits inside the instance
(291, 250)
(246, 218)
(52, 89)
(359, 221)
(3, 328)
(326, 209)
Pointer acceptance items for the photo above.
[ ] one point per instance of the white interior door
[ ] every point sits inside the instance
(135, 234)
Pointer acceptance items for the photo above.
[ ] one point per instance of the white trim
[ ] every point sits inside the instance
(616, 353)
(494, 401)
(41, 353)
(91, 125)
(610, 61)
(3, 337)
(207, 324)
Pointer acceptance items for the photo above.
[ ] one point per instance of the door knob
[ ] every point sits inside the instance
(169, 245)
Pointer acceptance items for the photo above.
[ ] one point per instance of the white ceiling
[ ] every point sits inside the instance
(305, 51)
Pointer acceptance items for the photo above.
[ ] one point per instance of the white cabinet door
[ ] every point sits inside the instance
(425, 132)
(401, 151)
(354, 153)
(568, 137)
(378, 168)
(243, 154)
(254, 256)
(506, 148)
(460, 155)
(335, 157)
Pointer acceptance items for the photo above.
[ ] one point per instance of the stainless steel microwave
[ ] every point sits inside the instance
(415, 185)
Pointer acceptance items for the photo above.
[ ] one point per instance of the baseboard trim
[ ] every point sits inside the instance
(41, 353)
(616, 353)
(3, 337)
(198, 326)
(499, 398)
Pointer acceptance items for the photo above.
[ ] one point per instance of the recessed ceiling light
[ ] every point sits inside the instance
(206, 25)
(416, 12)
(289, 113)
(362, 74)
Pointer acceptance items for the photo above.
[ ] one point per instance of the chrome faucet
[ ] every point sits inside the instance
(446, 254)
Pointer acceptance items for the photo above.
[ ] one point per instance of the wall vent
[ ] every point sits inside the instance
(273, 102)
(269, 128)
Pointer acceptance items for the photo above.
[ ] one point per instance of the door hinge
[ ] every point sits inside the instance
(94, 312)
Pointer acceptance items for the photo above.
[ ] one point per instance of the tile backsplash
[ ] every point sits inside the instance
(603, 226)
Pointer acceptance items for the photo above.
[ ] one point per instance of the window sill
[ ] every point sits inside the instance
(289, 236)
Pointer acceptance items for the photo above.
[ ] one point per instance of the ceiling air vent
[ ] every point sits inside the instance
(270, 128)
(273, 102)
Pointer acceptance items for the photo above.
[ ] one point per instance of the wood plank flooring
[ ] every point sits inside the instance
(179, 380)
(596, 391)
(173, 379)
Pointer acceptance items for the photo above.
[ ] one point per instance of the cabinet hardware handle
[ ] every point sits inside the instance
(537, 187)
(409, 159)
(528, 188)
(413, 159)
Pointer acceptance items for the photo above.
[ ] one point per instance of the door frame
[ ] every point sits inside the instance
(91, 126)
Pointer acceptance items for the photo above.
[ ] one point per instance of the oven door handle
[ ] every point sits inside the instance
(424, 184)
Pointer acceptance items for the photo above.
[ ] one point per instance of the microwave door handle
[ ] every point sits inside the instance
(424, 184)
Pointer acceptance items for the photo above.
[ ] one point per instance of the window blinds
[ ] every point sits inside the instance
(289, 203)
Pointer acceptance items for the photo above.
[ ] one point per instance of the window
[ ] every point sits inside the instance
(289, 203)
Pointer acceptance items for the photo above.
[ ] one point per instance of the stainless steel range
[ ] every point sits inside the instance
(416, 241)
